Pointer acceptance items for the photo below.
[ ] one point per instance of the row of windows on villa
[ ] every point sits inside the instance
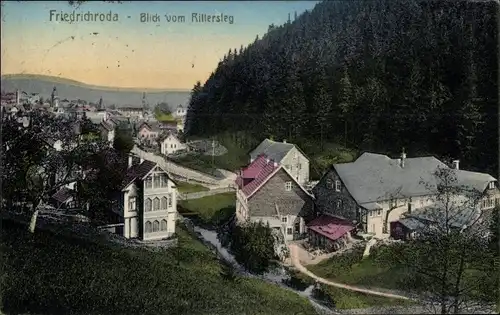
(159, 180)
(490, 203)
(156, 226)
(155, 204)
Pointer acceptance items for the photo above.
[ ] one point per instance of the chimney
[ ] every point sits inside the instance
(267, 161)
(130, 161)
(141, 160)
(275, 164)
(456, 164)
(403, 158)
(284, 140)
(409, 207)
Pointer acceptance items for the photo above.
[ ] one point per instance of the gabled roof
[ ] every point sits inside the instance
(167, 134)
(375, 177)
(456, 216)
(330, 227)
(152, 126)
(274, 150)
(107, 126)
(258, 173)
(63, 194)
(138, 171)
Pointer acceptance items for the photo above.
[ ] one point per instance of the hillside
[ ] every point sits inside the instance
(373, 75)
(71, 89)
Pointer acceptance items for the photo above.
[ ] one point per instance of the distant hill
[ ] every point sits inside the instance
(71, 89)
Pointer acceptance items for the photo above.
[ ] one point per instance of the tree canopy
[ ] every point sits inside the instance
(376, 75)
(253, 246)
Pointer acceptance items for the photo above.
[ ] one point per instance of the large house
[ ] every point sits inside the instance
(375, 190)
(170, 143)
(267, 192)
(286, 154)
(149, 131)
(148, 202)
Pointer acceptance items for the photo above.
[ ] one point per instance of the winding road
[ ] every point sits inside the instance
(296, 263)
(186, 173)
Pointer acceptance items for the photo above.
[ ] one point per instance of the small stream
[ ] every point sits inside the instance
(277, 276)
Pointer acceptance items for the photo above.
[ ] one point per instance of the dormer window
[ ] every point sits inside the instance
(491, 185)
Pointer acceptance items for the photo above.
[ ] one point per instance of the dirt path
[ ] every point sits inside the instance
(296, 263)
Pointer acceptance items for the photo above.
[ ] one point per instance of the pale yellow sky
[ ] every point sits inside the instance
(129, 53)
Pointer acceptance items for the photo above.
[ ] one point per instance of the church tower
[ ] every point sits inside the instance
(54, 99)
(18, 97)
(144, 104)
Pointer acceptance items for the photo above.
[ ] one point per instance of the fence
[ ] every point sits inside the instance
(201, 194)
(112, 228)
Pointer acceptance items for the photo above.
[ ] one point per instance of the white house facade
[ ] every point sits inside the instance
(286, 154)
(170, 144)
(149, 203)
(375, 191)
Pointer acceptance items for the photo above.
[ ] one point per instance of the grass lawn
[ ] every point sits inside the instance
(351, 268)
(345, 299)
(50, 274)
(378, 271)
(235, 158)
(184, 187)
(209, 210)
(164, 117)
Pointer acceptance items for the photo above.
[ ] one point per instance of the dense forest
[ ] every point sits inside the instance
(373, 75)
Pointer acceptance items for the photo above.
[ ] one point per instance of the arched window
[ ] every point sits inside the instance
(164, 203)
(163, 225)
(148, 227)
(156, 204)
(156, 226)
(147, 206)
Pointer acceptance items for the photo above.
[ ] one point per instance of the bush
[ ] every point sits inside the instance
(253, 246)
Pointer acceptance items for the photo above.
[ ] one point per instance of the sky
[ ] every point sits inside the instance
(128, 52)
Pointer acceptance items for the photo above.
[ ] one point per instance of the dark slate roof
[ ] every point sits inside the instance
(412, 223)
(458, 216)
(376, 177)
(63, 194)
(138, 171)
(153, 126)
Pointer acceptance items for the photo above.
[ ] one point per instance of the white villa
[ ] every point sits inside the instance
(148, 202)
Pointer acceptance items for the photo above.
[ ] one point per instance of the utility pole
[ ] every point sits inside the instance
(213, 153)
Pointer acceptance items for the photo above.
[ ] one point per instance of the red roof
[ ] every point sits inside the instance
(255, 174)
(330, 227)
